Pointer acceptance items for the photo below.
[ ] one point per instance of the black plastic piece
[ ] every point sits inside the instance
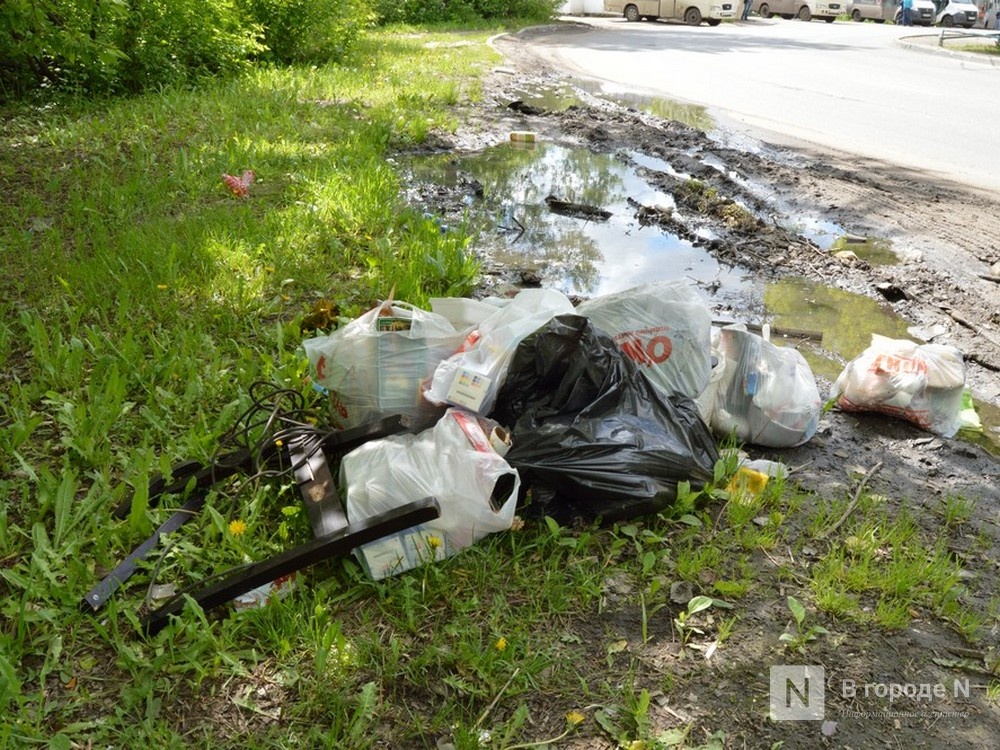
(339, 543)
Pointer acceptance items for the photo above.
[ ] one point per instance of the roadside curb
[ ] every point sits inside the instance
(929, 43)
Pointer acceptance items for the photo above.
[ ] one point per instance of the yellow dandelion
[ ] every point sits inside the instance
(278, 443)
(501, 644)
(161, 287)
(433, 541)
(574, 717)
(237, 527)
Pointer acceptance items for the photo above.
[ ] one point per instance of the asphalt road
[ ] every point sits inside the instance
(861, 88)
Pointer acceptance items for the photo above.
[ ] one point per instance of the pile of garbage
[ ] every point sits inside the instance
(600, 410)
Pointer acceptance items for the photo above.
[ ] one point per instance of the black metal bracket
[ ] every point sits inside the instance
(341, 542)
(306, 456)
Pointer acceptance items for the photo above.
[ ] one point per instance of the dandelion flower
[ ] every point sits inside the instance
(237, 527)
(574, 717)
(501, 644)
(433, 541)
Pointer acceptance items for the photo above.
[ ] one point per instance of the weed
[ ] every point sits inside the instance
(803, 635)
(956, 510)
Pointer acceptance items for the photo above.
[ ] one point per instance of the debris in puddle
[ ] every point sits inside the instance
(519, 105)
(891, 291)
(577, 210)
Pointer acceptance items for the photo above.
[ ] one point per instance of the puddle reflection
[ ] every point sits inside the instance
(847, 321)
(549, 98)
(576, 255)
(876, 251)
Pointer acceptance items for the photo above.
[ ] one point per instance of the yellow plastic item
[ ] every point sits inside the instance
(523, 136)
(747, 482)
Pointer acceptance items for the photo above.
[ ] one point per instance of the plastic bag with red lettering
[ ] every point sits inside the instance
(665, 328)
(374, 365)
(921, 383)
(471, 377)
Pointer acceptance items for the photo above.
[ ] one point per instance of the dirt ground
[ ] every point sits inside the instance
(941, 287)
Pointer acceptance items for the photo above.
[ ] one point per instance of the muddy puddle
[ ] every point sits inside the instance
(568, 217)
(561, 97)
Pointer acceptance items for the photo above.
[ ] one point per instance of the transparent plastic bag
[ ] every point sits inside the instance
(665, 328)
(471, 378)
(921, 383)
(768, 395)
(374, 365)
(459, 461)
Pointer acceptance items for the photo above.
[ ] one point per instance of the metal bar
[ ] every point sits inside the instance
(340, 543)
(99, 595)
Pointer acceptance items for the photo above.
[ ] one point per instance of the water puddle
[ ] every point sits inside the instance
(694, 115)
(821, 231)
(549, 98)
(846, 321)
(989, 437)
(578, 255)
(875, 250)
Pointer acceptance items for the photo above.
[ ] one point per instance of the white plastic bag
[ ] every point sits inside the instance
(459, 461)
(921, 383)
(768, 395)
(665, 328)
(375, 364)
(471, 378)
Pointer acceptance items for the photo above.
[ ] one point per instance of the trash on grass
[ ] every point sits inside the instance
(458, 462)
(471, 377)
(374, 366)
(665, 328)
(592, 437)
(266, 593)
(768, 395)
(240, 186)
(921, 383)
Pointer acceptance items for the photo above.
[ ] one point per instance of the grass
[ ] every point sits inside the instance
(141, 299)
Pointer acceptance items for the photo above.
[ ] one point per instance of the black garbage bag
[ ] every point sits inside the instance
(592, 437)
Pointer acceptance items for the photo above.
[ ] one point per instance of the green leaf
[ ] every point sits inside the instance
(798, 611)
(698, 603)
(10, 687)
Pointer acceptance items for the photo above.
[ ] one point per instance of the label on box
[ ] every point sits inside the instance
(469, 390)
(403, 551)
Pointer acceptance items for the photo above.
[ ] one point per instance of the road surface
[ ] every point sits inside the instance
(857, 87)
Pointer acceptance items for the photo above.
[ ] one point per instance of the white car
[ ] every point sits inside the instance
(956, 13)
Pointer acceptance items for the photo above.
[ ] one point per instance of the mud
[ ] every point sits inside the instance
(947, 238)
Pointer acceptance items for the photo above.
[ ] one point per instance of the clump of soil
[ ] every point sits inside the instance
(943, 285)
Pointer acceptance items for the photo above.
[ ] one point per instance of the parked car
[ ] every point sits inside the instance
(691, 12)
(956, 13)
(922, 13)
(804, 10)
(880, 11)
